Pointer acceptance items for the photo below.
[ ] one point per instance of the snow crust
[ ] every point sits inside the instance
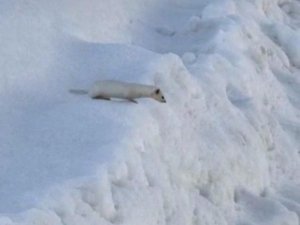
(223, 150)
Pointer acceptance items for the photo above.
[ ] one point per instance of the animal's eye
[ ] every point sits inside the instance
(157, 91)
(162, 97)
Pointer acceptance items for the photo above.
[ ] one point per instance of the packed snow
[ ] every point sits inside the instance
(224, 149)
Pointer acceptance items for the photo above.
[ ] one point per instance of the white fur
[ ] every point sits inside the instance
(107, 89)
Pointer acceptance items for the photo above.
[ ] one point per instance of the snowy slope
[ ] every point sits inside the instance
(223, 150)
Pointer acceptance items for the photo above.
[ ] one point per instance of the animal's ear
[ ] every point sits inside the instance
(157, 91)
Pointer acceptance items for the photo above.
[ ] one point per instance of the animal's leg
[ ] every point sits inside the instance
(132, 100)
(100, 97)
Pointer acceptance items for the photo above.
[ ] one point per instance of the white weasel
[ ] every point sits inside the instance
(108, 89)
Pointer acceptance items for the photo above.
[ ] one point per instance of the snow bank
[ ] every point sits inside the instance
(41, 122)
(223, 150)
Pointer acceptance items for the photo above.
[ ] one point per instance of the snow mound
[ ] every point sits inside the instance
(223, 150)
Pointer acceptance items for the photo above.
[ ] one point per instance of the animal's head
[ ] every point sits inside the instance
(158, 96)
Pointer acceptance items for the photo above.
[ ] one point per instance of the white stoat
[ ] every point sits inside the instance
(107, 89)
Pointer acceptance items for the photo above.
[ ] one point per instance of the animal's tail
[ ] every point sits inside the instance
(78, 91)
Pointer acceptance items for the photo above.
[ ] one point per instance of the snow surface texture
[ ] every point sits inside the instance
(225, 149)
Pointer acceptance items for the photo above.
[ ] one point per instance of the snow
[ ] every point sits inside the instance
(223, 150)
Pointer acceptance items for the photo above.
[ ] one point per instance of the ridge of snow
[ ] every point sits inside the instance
(223, 150)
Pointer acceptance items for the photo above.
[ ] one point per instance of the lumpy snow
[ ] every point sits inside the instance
(225, 149)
